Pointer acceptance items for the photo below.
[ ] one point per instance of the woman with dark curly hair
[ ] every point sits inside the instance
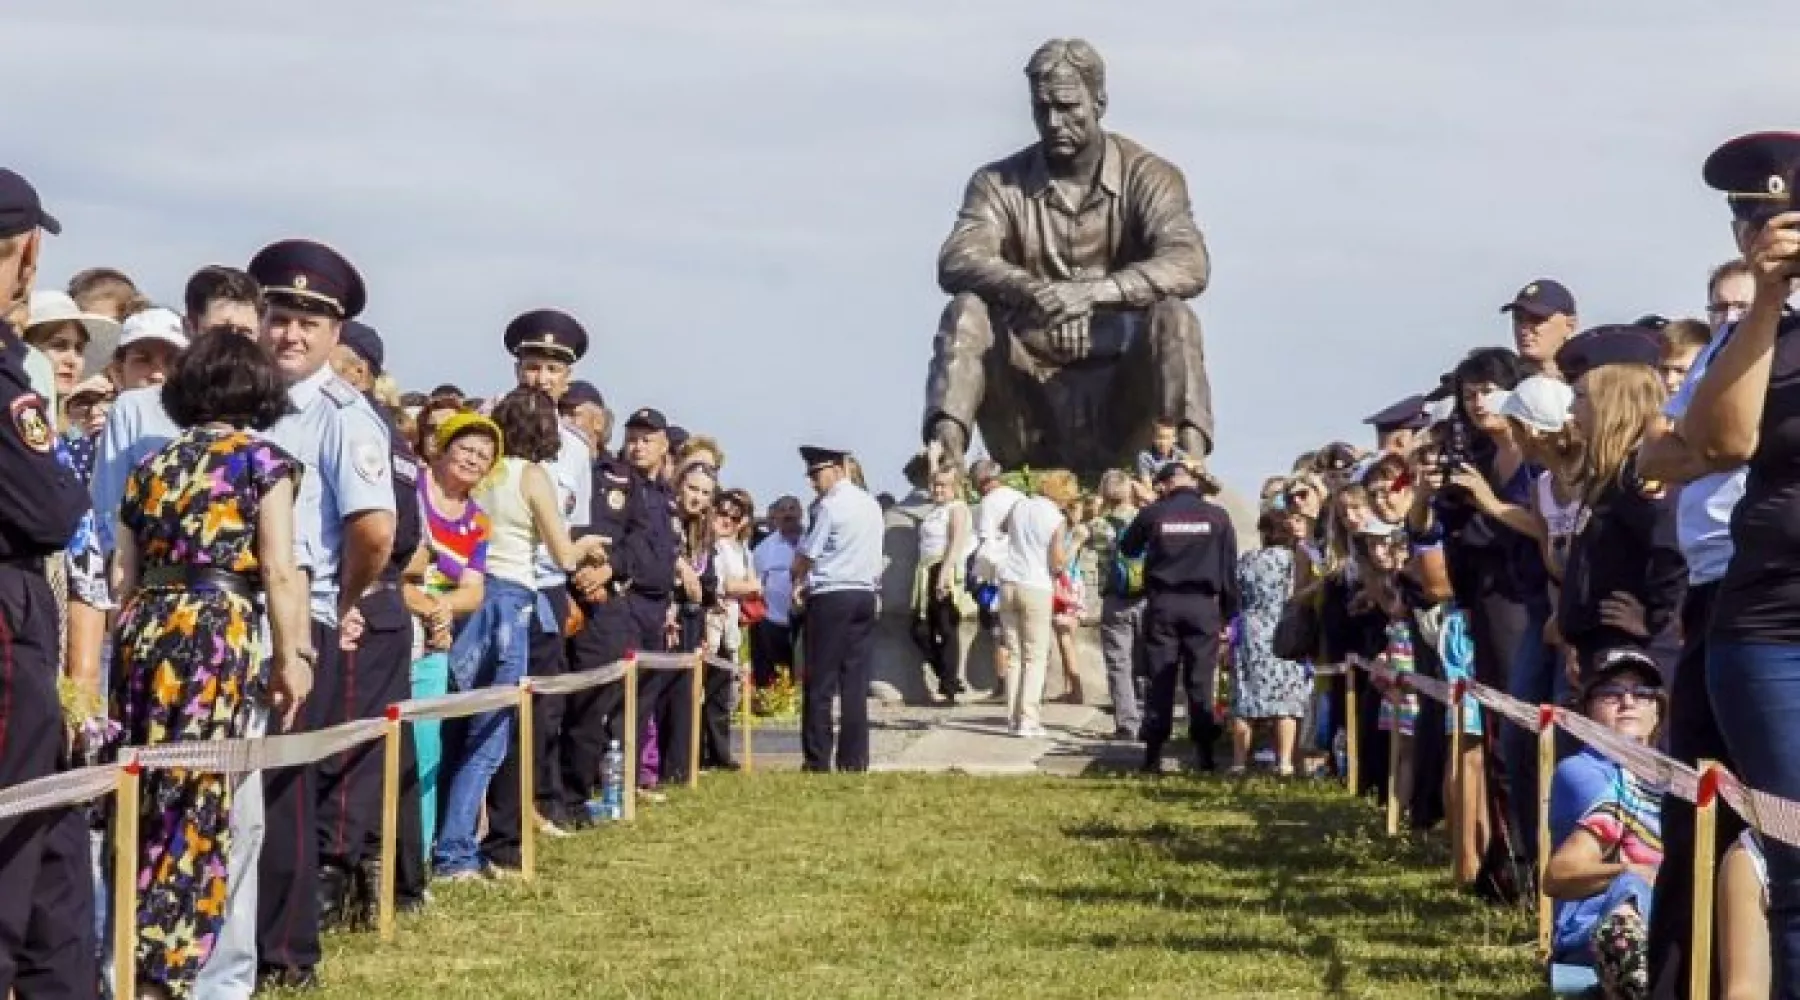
(492, 648)
(206, 530)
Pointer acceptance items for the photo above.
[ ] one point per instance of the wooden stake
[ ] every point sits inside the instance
(527, 784)
(1546, 775)
(1706, 834)
(390, 823)
(125, 895)
(1457, 790)
(1351, 724)
(629, 805)
(745, 699)
(699, 710)
(1393, 779)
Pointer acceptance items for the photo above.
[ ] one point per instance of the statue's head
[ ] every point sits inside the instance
(1068, 95)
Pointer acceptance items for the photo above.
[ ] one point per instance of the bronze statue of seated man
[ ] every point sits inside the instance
(1067, 335)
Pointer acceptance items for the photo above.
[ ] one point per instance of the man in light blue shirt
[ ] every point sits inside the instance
(839, 567)
(545, 345)
(344, 531)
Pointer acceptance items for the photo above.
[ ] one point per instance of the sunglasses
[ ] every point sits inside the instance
(1613, 694)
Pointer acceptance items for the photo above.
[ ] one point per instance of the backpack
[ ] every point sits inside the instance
(1124, 575)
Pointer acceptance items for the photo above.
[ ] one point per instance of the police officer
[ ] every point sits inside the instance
(546, 344)
(344, 531)
(838, 566)
(47, 943)
(374, 675)
(1190, 584)
(639, 514)
(623, 508)
(1396, 425)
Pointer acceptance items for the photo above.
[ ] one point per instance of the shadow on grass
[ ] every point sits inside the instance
(1305, 856)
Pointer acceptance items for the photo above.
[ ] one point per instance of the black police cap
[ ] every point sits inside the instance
(817, 458)
(550, 332)
(1614, 344)
(309, 276)
(647, 419)
(1542, 299)
(366, 343)
(1406, 415)
(20, 209)
(1748, 163)
(581, 391)
(678, 436)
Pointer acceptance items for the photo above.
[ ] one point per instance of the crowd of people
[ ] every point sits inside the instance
(226, 520)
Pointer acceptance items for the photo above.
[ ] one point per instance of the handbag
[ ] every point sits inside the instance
(1065, 595)
(1298, 632)
(752, 608)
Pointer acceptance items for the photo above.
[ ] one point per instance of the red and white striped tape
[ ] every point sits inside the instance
(1770, 815)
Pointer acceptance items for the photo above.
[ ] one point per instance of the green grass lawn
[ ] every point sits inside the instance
(786, 885)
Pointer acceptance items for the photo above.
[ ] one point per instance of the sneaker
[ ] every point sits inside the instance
(498, 873)
(1622, 954)
(548, 829)
(462, 875)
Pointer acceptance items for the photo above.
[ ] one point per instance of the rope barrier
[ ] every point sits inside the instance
(58, 790)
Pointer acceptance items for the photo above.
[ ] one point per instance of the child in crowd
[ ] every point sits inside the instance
(1162, 451)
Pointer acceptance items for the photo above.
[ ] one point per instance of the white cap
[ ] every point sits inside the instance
(1540, 403)
(155, 323)
(102, 333)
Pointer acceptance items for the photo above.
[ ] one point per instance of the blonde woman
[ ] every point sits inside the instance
(939, 598)
(1034, 555)
(1625, 576)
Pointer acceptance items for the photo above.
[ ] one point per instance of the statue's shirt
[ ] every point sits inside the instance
(1135, 225)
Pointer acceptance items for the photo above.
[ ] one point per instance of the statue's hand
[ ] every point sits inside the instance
(1062, 301)
(1069, 341)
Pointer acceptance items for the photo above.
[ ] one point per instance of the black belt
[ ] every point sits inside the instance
(202, 578)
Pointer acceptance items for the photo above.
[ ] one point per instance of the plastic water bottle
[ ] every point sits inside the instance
(612, 783)
(1340, 753)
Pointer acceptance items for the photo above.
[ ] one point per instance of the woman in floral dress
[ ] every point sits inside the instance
(206, 526)
(1264, 686)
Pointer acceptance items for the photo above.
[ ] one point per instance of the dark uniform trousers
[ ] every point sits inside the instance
(47, 946)
(371, 677)
(663, 695)
(715, 719)
(1693, 736)
(1181, 641)
(287, 895)
(547, 658)
(588, 723)
(838, 636)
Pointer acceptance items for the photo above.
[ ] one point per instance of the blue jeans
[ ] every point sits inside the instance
(1755, 688)
(1536, 678)
(491, 651)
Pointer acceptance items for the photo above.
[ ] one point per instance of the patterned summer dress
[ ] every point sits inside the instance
(188, 666)
(1399, 706)
(1263, 685)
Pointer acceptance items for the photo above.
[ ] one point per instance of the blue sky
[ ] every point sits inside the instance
(743, 201)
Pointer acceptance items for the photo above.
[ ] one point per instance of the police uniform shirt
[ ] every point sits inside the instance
(844, 540)
(41, 501)
(1188, 546)
(572, 471)
(409, 509)
(638, 514)
(136, 428)
(343, 445)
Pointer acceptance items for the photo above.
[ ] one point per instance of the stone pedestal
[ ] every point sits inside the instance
(898, 661)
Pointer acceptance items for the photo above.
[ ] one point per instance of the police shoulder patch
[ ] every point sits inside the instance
(340, 392)
(30, 421)
(370, 461)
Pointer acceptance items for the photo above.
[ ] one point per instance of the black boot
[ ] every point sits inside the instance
(335, 887)
(1153, 758)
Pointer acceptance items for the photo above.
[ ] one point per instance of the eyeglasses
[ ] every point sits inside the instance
(1613, 694)
(731, 513)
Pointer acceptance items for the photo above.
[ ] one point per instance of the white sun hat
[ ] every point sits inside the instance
(103, 334)
(155, 323)
(1540, 403)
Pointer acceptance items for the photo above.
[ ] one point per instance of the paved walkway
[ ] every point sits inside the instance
(968, 739)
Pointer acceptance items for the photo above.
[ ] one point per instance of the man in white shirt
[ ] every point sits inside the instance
(772, 639)
(838, 567)
(997, 502)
